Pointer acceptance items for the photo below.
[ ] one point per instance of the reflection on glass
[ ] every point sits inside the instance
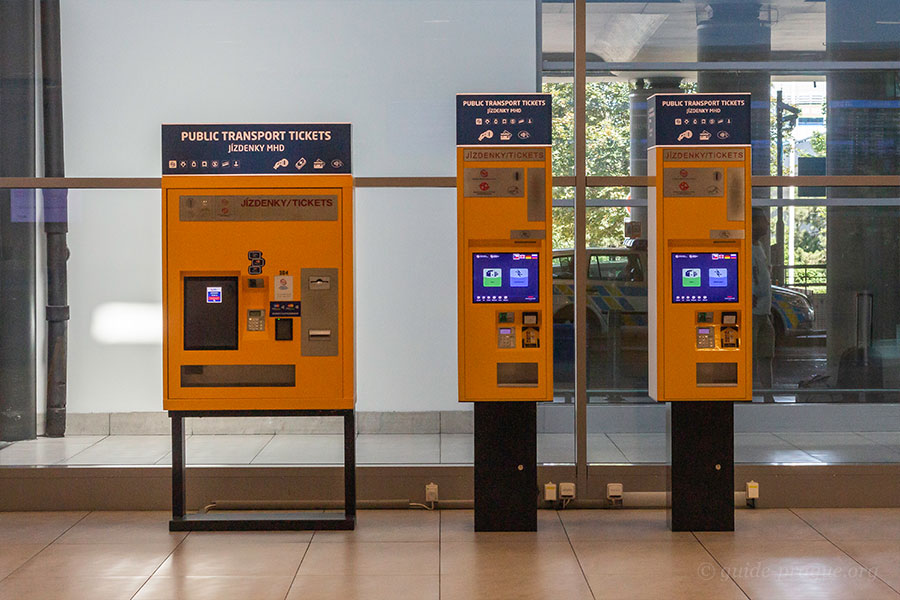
(556, 420)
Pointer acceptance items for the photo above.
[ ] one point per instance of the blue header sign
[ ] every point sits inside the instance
(698, 119)
(503, 119)
(247, 149)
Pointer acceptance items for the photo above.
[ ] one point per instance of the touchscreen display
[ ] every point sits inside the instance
(506, 277)
(705, 277)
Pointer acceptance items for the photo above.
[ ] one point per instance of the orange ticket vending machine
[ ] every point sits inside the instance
(700, 296)
(504, 201)
(257, 224)
(701, 308)
(258, 292)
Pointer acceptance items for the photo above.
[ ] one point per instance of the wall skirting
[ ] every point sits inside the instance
(149, 488)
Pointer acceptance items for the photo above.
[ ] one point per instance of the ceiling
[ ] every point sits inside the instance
(667, 31)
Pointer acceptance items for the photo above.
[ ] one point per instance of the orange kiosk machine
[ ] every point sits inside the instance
(257, 289)
(504, 198)
(700, 296)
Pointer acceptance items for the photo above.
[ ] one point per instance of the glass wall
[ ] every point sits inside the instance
(832, 251)
(556, 420)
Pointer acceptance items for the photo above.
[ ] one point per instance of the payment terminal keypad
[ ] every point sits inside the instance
(706, 337)
(506, 337)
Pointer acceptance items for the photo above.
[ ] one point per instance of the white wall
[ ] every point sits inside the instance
(391, 67)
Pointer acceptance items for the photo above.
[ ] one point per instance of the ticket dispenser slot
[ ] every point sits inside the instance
(717, 374)
(517, 374)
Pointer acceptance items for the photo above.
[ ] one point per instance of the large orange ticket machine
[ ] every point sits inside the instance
(258, 292)
(257, 223)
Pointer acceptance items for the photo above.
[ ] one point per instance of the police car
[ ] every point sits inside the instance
(617, 292)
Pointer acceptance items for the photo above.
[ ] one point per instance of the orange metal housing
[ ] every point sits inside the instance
(501, 224)
(194, 248)
(712, 219)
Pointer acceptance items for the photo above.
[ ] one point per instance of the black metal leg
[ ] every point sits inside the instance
(350, 465)
(261, 521)
(177, 465)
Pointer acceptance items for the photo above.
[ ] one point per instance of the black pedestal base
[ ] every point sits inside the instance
(701, 458)
(505, 466)
(262, 522)
(258, 521)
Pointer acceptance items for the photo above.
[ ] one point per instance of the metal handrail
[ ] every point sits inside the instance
(450, 182)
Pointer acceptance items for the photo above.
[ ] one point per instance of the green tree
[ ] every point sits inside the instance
(607, 130)
(809, 222)
(817, 141)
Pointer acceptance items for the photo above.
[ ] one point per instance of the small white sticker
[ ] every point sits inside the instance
(214, 295)
(284, 287)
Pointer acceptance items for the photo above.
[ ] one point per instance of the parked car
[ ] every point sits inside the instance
(617, 283)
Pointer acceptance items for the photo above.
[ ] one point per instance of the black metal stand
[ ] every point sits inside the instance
(701, 474)
(261, 521)
(505, 466)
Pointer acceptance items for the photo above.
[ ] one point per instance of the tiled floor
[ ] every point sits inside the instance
(794, 554)
(391, 449)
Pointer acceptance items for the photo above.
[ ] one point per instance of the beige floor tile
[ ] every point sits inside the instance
(372, 558)
(210, 556)
(653, 569)
(214, 588)
(853, 523)
(880, 557)
(684, 585)
(648, 524)
(365, 587)
(95, 560)
(46, 451)
(396, 448)
(35, 527)
(13, 556)
(459, 526)
(797, 570)
(388, 526)
(515, 584)
(302, 449)
(841, 447)
(46, 587)
(124, 450)
(620, 556)
(123, 527)
(490, 558)
(457, 448)
(555, 448)
(765, 524)
(269, 537)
